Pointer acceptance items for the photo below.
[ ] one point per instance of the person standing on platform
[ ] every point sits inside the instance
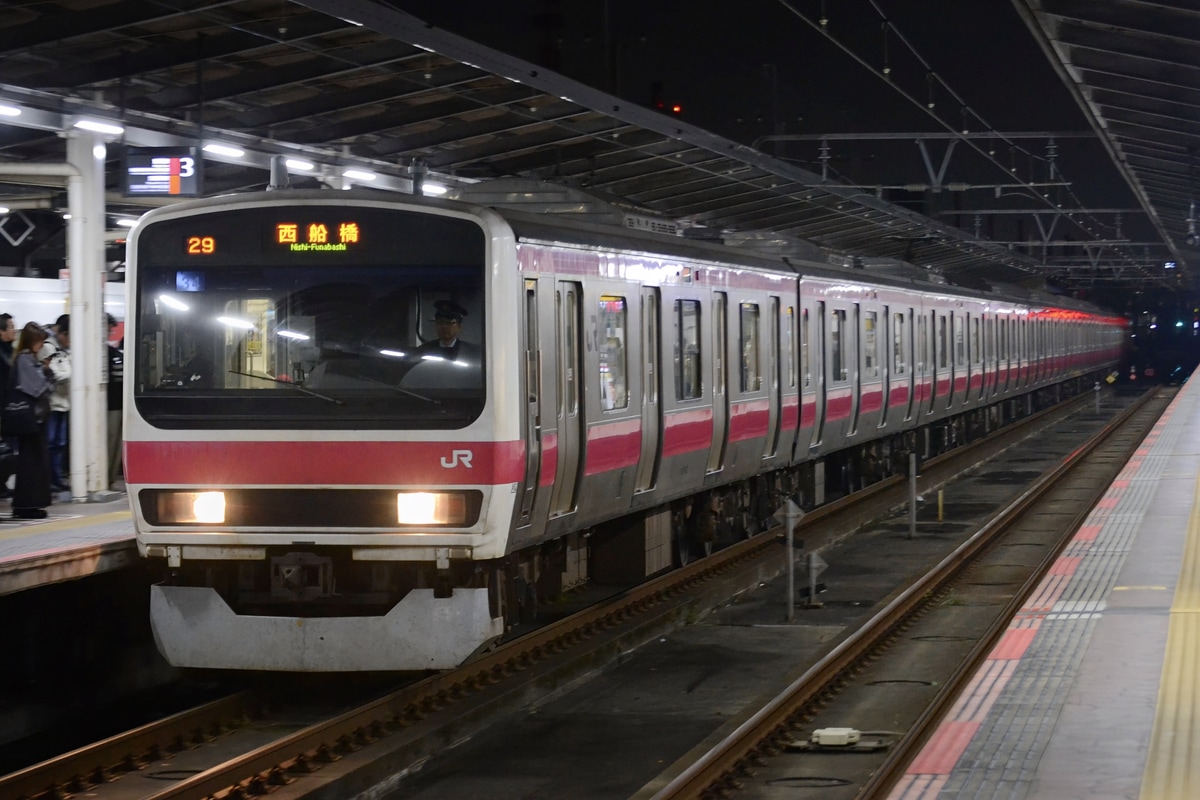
(116, 380)
(58, 427)
(8, 335)
(31, 495)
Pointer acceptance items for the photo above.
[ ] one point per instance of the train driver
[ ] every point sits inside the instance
(448, 319)
(447, 361)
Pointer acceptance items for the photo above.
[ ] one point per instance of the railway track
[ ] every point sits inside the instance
(230, 749)
(895, 677)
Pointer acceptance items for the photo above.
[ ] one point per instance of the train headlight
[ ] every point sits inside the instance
(431, 508)
(180, 507)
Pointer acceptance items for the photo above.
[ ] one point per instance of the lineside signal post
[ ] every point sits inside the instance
(912, 495)
(816, 565)
(789, 515)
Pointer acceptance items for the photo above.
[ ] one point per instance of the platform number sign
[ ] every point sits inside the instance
(163, 172)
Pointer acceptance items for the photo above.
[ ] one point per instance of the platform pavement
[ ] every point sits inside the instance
(76, 539)
(1099, 700)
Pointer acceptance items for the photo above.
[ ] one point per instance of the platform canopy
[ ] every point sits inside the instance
(351, 88)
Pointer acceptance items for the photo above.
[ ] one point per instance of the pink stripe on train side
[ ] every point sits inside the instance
(613, 445)
(748, 420)
(324, 463)
(687, 431)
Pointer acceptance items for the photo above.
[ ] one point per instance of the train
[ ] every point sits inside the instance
(322, 490)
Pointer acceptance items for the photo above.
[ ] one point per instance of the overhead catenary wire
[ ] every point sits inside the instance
(929, 108)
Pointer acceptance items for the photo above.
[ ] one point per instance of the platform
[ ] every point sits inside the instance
(1092, 692)
(75, 540)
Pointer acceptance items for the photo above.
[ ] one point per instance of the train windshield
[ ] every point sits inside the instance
(236, 330)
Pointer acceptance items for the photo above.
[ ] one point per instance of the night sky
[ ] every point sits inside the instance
(753, 68)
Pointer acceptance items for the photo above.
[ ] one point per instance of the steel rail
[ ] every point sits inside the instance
(726, 759)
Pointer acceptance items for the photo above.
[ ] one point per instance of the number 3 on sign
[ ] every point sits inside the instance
(201, 245)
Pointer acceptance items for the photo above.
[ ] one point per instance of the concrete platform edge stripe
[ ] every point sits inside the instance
(54, 523)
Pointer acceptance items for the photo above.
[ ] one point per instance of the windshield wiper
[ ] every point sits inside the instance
(295, 386)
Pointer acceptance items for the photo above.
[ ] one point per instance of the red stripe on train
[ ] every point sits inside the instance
(687, 431)
(872, 401)
(808, 413)
(790, 413)
(613, 445)
(838, 407)
(324, 463)
(549, 459)
(748, 420)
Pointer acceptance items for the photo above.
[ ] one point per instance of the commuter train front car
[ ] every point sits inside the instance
(326, 487)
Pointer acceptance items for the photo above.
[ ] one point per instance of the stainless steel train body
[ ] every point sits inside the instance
(322, 496)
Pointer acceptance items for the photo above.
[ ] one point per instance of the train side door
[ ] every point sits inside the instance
(818, 351)
(720, 387)
(533, 415)
(853, 344)
(885, 363)
(569, 367)
(774, 376)
(911, 344)
(648, 461)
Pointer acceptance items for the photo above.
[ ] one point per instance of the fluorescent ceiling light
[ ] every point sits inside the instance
(359, 175)
(128, 223)
(3, 209)
(99, 127)
(9, 111)
(293, 335)
(297, 164)
(171, 302)
(224, 150)
(233, 322)
(433, 188)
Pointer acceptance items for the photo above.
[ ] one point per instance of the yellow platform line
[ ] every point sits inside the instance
(33, 527)
(1171, 764)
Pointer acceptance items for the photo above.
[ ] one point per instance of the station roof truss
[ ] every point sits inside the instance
(354, 83)
(1134, 68)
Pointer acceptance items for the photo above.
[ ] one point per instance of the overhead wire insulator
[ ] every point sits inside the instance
(887, 65)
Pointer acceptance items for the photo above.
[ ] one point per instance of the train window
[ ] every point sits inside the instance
(749, 347)
(943, 343)
(805, 337)
(839, 370)
(571, 373)
(342, 338)
(870, 345)
(899, 365)
(614, 389)
(960, 344)
(976, 341)
(687, 349)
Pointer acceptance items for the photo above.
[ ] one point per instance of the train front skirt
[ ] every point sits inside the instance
(194, 627)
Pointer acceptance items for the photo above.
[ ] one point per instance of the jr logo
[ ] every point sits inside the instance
(458, 457)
